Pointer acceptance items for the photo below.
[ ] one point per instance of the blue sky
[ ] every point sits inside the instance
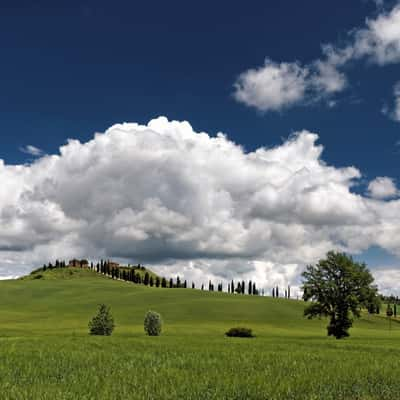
(70, 69)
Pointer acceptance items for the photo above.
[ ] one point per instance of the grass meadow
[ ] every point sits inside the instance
(46, 352)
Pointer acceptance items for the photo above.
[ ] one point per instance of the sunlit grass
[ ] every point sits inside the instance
(46, 353)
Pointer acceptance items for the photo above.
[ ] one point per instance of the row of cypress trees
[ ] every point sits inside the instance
(139, 275)
(286, 293)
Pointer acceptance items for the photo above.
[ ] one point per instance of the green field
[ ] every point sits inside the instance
(46, 352)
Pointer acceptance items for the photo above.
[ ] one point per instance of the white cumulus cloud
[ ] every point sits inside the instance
(189, 203)
(382, 187)
(273, 86)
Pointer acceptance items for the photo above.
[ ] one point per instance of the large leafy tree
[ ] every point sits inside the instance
(338, 287)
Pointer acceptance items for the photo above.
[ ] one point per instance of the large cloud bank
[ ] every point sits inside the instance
(188, 203)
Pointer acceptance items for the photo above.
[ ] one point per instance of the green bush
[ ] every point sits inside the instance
(38, 276)
(240, 332)
(102, 323)
(152, 323)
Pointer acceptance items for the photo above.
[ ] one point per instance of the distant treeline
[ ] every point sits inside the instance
(139, 275)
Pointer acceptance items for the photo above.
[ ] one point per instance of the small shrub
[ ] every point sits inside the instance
(102, 323)
(38, 276)
(240, 332)
(152, 323)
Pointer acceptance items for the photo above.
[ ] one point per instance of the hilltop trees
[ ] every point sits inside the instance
(339, 287)
(140, 275)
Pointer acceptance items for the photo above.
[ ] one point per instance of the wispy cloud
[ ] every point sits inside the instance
(394, 111)
(32, 150)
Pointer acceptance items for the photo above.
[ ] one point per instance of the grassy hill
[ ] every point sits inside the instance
(46, 353)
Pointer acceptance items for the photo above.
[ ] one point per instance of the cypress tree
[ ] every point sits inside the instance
(151, 281)
(163, 283)
(103, 322)
(232, 287)
(395, 310)
(146, 278)
(277, 291)
(254, 289)
(171, 283)
(185, 284)
(202, 286)
(158, 282)
(238, 288)
(193, 285)
(178, 282)
(249, 289)
(243, 287)
(273, 292)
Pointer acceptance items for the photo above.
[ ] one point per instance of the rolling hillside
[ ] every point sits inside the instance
(63, 301)
(46, 352)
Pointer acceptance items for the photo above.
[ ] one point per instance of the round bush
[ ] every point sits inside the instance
(152, 323)
(240, 332)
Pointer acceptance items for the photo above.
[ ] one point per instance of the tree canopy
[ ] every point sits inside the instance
(339, 288)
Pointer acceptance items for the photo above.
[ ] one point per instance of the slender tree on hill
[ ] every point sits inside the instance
(163, 282)
(158, 282)
(178, 282)
(171, 283)
(193, 286)
(238, 289)
(146, 278)
(249, 289)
